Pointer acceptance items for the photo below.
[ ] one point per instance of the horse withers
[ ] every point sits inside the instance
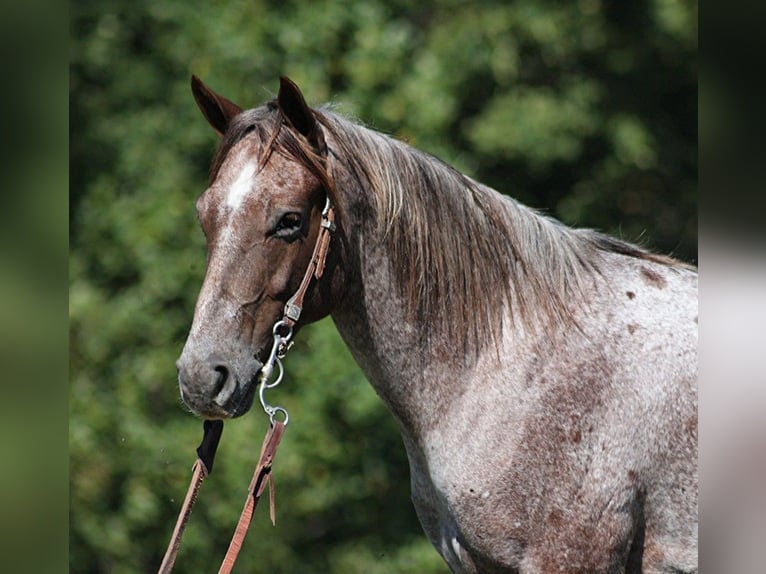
(543, 378)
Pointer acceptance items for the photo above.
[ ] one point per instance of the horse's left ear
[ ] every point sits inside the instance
(297, 112)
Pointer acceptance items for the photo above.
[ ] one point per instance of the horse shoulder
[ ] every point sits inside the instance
(569, 431)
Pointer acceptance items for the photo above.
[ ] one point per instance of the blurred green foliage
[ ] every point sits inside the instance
(585, 109)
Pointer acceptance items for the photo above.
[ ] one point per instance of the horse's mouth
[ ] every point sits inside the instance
(236, 397)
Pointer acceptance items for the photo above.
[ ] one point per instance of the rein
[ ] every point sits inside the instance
(203, 466)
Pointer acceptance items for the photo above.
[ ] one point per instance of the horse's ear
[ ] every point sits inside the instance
(217, 110)
(296, 111)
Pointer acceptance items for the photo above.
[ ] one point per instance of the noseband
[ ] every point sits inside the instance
(203, 466)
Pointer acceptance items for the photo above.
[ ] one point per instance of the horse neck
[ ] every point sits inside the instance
(417, 373)
(416, 364)
(416, 379)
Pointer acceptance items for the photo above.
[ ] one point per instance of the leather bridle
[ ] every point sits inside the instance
(203, 466)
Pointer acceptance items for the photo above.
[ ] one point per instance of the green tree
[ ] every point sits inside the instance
(584, 109)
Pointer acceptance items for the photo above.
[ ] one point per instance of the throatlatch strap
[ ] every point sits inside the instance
(261, 477)
(203, 466)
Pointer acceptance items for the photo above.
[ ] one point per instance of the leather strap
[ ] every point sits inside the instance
(315, 269)
(261, 477)
(202, 467)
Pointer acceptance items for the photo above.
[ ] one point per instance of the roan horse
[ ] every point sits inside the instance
(543, 378)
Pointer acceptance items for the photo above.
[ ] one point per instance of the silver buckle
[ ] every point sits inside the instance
(293, 311)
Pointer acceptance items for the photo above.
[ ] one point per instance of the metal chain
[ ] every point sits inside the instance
(283, 334)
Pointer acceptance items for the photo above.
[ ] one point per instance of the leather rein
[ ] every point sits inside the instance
(203, 466)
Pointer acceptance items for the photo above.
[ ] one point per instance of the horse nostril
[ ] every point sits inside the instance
(225, 386)
(221, 376)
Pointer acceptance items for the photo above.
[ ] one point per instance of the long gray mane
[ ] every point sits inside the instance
(461, 252)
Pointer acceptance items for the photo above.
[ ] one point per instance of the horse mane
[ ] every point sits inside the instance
(461, 252)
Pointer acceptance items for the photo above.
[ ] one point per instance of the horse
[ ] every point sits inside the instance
(543, 377)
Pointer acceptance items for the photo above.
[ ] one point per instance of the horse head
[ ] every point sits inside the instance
(261, 216)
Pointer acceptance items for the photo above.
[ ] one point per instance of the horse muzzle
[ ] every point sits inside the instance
(215, 389)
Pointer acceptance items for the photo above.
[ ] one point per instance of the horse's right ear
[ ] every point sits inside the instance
(217, 110)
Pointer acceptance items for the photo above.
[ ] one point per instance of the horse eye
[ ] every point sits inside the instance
(289, 224)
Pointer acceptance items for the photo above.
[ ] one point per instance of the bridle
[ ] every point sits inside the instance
(283, 329)
(203, 466)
